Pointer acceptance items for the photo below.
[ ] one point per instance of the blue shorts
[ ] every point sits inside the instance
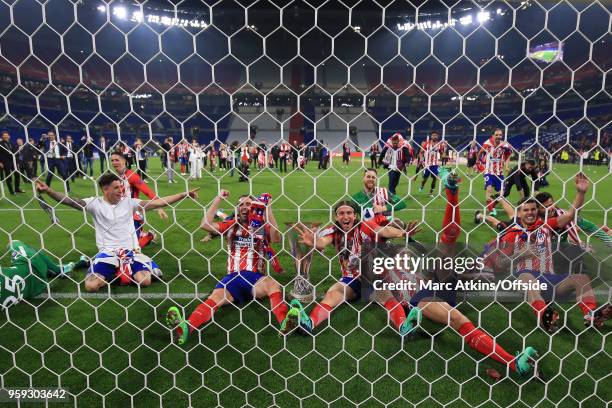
(353, 283)
(138, 228)
(240, 285)
(448, 296)
(105, 264)
(184, 160)
(551, 280)
(493, 180)
(430, 171)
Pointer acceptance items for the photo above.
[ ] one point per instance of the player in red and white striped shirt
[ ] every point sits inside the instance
(245, 279)
(496, 154)
(527, 246)
(431, 152)
(347, 235)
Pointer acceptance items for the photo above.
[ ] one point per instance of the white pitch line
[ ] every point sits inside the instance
(484, 295)
(131, 296)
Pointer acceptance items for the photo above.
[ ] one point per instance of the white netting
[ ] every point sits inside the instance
(189, 90)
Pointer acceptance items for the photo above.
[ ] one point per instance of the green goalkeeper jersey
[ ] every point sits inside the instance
(20, 281)
(365, 201)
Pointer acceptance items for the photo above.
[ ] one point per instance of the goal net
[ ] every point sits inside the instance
(453, 104)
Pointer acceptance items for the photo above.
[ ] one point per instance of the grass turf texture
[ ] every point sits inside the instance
(117, 351)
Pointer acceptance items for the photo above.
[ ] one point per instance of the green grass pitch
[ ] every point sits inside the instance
(116, 350)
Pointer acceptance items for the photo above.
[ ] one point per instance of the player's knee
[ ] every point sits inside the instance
(143, 278)
(273, 286)
(92, 285)
(581, 280)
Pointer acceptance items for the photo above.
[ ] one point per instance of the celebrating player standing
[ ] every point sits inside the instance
(248, 237)
(431, 151)
(496, 154)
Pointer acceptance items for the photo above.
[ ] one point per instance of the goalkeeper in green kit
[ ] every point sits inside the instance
(28, 274)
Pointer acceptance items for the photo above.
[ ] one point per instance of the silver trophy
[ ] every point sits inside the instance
(303, 290)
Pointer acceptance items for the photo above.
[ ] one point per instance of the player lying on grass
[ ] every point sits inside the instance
(118, 250)
(248, 237)
(132, 186)
(29, 273)
(529, 243)
(347, 235)
(439, 306)
(376, 202)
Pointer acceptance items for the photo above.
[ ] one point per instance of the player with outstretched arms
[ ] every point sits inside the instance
(118, 250)
(495, 153)
(132, 186)
(347, 235)
(527, 248)
(440, 306)
(248, 235)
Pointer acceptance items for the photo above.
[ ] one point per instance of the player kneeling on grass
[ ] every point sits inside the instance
(347, 235)
(248, 237)
(29, 272)
(439, 306)
(118, 250)
(528, 245)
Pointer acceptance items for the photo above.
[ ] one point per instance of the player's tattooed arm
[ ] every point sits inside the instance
(165, 201)
(208, 221)
(76, 203)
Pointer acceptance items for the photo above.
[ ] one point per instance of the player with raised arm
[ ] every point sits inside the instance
(347, 235)
(496, 155)
(430, 154)
(248, 235)
(29, 273)
(132, 186)
(115, 232)
(439, 306)
(528, 249)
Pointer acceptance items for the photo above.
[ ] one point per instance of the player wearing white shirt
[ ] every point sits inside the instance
(115, 232)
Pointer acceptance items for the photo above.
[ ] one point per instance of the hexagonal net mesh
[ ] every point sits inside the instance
(298, 99)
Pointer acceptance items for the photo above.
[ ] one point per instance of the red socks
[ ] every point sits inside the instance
(396, 312)
(182, 168)
(278, 306)
(202, 314)
(491, 204)
(484, 344)
(587, 304)
(452, 219)
(319, 314)
(538, 306)
(145, 239)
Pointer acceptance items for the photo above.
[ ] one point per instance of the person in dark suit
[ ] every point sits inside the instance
(88, 151)
(71, 158)
(26, 159)
(102, 151)
(56, 159)
(33, 145)
(7, 163)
